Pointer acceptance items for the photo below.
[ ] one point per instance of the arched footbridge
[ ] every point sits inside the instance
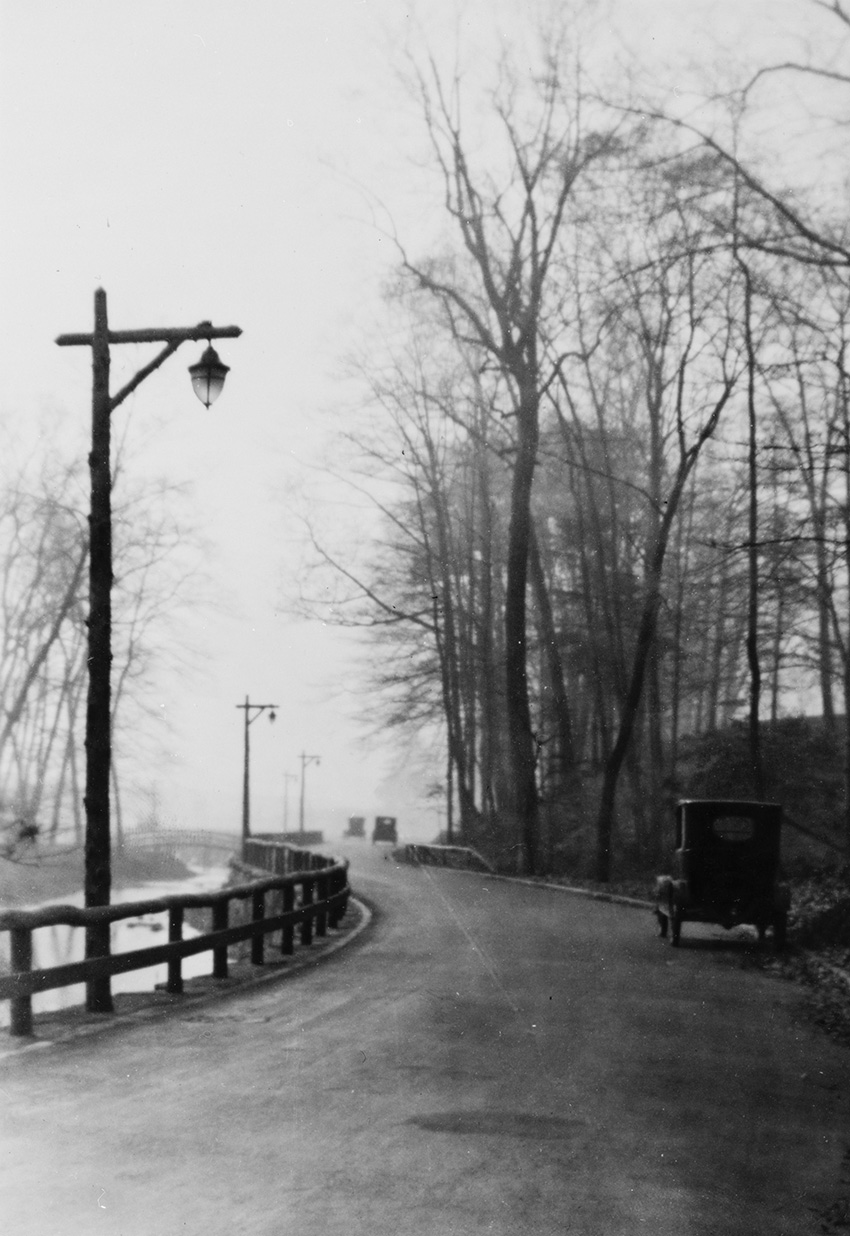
(191, 845)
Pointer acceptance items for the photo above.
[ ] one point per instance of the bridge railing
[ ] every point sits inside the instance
(312, 898)
(174, 839)
(462, 857)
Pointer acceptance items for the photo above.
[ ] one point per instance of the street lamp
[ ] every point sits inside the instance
(208, 376)
(98, 871)
(305, 760)
(257, 710)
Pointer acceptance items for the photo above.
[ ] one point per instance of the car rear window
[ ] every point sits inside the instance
(734, 827)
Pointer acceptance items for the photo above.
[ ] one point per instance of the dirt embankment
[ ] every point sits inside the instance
(33, 874)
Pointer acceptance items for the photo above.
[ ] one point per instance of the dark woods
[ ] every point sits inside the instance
(610, 438)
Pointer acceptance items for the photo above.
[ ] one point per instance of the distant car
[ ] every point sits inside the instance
(385, 829)
(356, 826)
(726, 869)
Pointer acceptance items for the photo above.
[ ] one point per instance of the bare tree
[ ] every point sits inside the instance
(43, 555)
(494, 296)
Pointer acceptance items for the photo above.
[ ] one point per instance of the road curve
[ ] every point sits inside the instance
(487, 1057)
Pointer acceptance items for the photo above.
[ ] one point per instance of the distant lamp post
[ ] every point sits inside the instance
(98, 862)
(257, 710)
(208, 376)
(305, 761)
(287, 777)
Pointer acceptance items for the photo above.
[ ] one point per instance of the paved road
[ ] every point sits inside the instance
(488, 1057)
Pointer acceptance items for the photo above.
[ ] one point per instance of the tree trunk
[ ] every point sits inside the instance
(520, 734)
(554, 669)
(643, 646)
(753, 558)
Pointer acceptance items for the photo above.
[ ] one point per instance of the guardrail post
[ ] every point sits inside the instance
(336, 886)
(175, 964)
(220, 917)
(287, 935)
(306, 905)
(21, 959)
(258, 939)
(322, 890)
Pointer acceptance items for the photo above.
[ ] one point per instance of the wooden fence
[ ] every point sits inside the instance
(313, 895)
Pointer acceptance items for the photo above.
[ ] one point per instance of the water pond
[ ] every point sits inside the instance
(55, 946)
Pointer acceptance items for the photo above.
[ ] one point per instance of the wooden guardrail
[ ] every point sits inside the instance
(462, 857)
(313, 896)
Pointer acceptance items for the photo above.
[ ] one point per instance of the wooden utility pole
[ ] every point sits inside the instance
(257, 710)
(98, 859)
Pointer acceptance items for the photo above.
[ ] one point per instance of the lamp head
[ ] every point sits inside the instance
(208, 376)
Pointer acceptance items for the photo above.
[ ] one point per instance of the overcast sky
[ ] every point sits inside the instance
(232, 161)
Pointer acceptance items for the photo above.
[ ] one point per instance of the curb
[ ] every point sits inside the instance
(621, 899)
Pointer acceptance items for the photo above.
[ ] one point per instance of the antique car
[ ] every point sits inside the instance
(726, 869)
(385, 829)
